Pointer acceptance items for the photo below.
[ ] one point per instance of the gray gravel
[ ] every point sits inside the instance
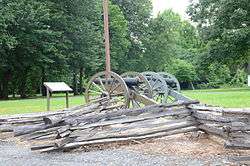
(12, 155)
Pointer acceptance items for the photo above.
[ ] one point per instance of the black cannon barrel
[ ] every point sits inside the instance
(168, 81)
(129, 81)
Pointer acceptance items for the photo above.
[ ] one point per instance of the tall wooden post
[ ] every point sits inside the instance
(106, 34)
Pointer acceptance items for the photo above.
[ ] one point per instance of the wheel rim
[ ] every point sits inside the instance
(107, 86)
(165, 75)
(143, 88)
(159, 87)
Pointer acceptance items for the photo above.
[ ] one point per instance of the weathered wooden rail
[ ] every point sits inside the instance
(232, 125)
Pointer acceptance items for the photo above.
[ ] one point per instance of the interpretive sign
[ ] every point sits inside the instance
(57, 87)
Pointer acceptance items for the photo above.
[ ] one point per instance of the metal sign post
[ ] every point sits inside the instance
(106, 34)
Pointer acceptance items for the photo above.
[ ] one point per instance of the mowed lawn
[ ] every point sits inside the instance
(231, 98)
(238, 98)
(37, 104)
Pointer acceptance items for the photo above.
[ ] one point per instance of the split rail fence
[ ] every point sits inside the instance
(98, 123)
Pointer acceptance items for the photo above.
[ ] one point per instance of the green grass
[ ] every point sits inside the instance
(238, 98)
(37, 104)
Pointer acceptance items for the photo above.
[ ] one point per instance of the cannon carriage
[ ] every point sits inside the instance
(133, 89)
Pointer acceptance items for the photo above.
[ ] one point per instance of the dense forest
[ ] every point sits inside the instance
(62, 40)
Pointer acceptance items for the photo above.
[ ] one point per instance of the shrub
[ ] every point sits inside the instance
(239, 79)
(218, 75)
(184, 71)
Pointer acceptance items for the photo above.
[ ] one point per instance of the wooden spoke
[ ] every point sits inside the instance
(94, 92)
(140, 85)
(112, 84)
(109, 85)
(97, 87)
(117, 86)
(158, 85)
(103, 87)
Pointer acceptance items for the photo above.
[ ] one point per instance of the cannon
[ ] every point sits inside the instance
(133, 89)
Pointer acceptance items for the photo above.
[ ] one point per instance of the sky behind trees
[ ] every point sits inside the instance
(178, 6)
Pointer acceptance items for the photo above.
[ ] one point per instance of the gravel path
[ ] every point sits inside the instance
(11, 154)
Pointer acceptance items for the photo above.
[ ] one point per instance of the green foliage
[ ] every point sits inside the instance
(218, 75)
(224, 25)
(184, 71)
(31, 37)
(60, 40)
(119, 38)
(224, 29)
(159, 44)
(56, 40)
(239, 79)
(138, 15)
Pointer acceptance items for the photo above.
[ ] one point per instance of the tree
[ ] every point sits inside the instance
(30, 39)
(224, 26)
(160, 41)
(184, 71)
(83, 29)
(218, 75)
(138, 15)
(119, 41)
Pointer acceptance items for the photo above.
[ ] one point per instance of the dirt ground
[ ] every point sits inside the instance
(184, 149)
(191, 144)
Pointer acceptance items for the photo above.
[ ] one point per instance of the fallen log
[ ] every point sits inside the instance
(217, 123)
(63, 134)
(49, 136)
(128, 112)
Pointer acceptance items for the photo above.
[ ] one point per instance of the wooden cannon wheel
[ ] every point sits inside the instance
(176, 86)
(141, 89)
(109, 89)
(159, 87)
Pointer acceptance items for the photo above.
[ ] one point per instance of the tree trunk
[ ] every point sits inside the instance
(43, 79)
(1, 87)
(81, 80)
(248, 67)
(13, 93)
(23, 85)
(5, 84)
(192, 85)
(75, 83)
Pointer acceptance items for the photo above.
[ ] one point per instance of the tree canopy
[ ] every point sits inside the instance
(60, 40)
(224, 26)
